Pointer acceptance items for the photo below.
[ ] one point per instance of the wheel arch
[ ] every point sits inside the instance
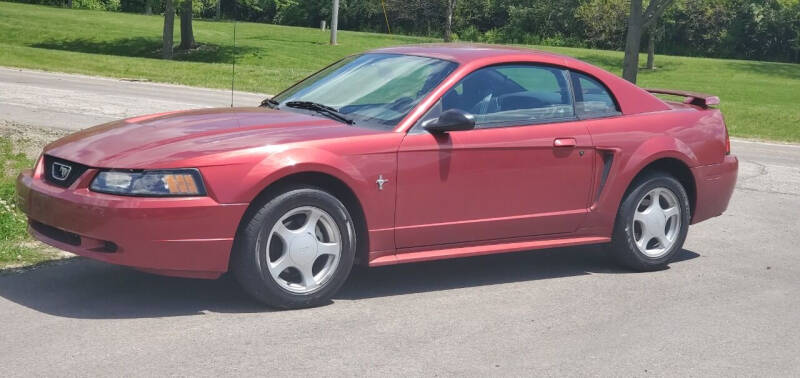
(674, 167)
(323, 181)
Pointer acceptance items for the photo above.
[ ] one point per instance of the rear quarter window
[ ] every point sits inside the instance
(592, 99)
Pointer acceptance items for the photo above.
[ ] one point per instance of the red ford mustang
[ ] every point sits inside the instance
(398, 155)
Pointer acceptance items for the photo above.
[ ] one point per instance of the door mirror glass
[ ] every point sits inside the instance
(451, 120)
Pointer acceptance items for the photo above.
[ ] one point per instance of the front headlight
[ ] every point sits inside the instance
(157, 183)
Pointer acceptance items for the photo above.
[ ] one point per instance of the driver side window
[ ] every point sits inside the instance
(512, 95)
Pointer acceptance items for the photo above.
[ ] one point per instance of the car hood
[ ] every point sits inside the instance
(175, 138)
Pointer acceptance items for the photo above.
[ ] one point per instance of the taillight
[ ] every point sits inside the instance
(727, 142)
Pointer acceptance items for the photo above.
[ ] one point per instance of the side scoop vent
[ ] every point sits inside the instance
(608, 160)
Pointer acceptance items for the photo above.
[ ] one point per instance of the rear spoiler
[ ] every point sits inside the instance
(694, 98)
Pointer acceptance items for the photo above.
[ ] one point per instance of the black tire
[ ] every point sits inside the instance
(248, 263)
(623, 247)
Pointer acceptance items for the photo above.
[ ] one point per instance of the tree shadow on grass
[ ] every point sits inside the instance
(614, 63)
(141, 47)
(661, 65)
(87, 289)
(269, 38)
(778, 70)
(601, 60)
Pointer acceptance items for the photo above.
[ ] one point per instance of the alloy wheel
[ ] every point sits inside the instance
(656, 222)
(303, 249)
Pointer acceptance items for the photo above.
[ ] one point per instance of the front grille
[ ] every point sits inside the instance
(62, 172)
(56, 234)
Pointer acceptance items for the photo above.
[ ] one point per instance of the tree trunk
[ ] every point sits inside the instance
(169, 25)
(630, 65)
(334, 21)
(187, 34)
(219, 9)
(651, 48)
(148, 7)
(448, 22)
(637, 22)
(69, 3)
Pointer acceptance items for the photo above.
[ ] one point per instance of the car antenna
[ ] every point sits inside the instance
(233, 54)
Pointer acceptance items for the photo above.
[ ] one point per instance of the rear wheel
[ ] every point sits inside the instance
(296, 250)
(652, 223)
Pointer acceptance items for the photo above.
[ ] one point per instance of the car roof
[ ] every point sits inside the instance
(467, 52)
(630, 98)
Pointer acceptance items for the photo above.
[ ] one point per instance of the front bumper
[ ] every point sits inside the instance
(714, 184)
(186, 237)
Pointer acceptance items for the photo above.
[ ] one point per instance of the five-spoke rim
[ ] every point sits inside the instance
(656, 222)
(303, 249)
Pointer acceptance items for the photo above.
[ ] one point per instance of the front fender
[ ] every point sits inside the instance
(283, 164)
(357, 170)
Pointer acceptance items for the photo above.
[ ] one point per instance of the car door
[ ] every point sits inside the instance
(525, 170)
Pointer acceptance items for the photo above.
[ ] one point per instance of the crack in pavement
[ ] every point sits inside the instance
(762, 171)
(766, 191)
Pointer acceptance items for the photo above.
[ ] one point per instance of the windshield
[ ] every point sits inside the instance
(374, 90)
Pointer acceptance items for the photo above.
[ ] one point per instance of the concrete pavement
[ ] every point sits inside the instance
(729, 306)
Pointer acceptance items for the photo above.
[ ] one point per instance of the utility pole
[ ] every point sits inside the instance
(334, 21)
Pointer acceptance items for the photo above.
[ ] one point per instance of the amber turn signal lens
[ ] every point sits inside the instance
(181, 184)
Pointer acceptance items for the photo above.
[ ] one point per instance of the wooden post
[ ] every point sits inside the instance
(169, 22)
(651, 48)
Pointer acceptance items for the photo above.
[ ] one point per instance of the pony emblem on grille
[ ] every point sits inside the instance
(60, 171)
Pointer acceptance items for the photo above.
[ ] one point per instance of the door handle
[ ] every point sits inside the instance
(565, 142)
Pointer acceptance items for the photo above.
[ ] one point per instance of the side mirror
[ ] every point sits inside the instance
(451, 120)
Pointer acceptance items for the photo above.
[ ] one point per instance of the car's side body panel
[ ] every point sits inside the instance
(485, 248)
(492, 183)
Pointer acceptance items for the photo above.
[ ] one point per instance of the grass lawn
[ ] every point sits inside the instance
(759, 99)
(16, 247)
(12, 221)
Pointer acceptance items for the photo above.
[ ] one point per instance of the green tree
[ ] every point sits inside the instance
(604, 22)
(638, 21)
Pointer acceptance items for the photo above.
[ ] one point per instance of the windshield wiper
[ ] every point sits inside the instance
(321, 109)
(270, 103)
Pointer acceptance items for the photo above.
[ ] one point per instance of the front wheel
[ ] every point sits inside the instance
(296, 250)
(652, 223)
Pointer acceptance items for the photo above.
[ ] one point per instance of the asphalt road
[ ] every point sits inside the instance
(729, 306)
(75, 101)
